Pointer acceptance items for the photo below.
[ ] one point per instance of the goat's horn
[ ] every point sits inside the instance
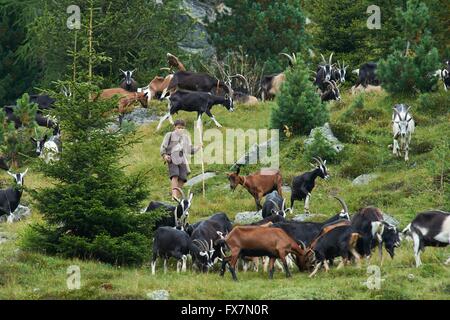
(291, 58)
(317, 160)
(238, 75)
(331, 56)
(276, 204)
(181, 191)
(211, 243)
(134, 70)
(343, 204)
(121, 70)
(323, 58)
(283, 205)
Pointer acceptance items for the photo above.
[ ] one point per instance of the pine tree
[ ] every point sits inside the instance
(298, 105)
(91, 210)
(262, 28)
(15, 144)
(408, 69)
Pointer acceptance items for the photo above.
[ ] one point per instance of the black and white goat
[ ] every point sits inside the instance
(195, 101)
(403, 127)
(48, 149)
(303, 185)
(339, 72)
(429, 229)
(444, 75)
(176, 215)
(170, 242)
(324, 73)
(275, 205)
(370, 224)
(128, 83)
(10, 197)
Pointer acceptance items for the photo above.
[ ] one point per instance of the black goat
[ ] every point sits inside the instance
(429, 229)
(41, 120)
(10, 197)
(303, 185)
(128, 83)
(194, 81)
(367, 74)
(170, 242)
(274, 205)
(306, 232)
(337, 240)
(43, 101)
(177, 215)
(194, 101)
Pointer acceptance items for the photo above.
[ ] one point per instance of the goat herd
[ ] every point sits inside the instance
(310, 245)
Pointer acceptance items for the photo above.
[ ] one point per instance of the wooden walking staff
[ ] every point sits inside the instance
(200, 130)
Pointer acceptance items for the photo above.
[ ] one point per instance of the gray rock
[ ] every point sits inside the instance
(255, 151)
(198, 179)
(158, 295)
(328, 134)
(247, 217)
(202, 12)
(389, 219)
(364, 179)
(138, 116)
(286, 189)
(20, 213)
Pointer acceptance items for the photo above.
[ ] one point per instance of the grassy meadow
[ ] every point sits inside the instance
(401, 189)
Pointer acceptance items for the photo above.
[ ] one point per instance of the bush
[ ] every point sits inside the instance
(320, 147)
(408, 68)
(298, 106)
(92, 208)
(434, 103)
(345, 132)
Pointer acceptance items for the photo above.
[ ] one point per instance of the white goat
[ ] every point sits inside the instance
(403, 127)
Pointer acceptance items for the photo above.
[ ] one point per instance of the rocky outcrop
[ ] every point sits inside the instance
(364, 179)
(20, 213)
(247, 217)
(329, 136)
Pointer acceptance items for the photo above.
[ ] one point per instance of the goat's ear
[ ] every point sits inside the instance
(33, 139)
(325, 162)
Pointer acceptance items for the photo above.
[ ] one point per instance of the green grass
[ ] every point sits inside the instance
(402, 190)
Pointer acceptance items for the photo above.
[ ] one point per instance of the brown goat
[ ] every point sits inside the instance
(174, 62)
(262, 241)
(258, 184)
(158, 85)
(126, 100)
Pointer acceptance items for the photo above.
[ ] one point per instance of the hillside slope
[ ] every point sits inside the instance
(401, 189)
